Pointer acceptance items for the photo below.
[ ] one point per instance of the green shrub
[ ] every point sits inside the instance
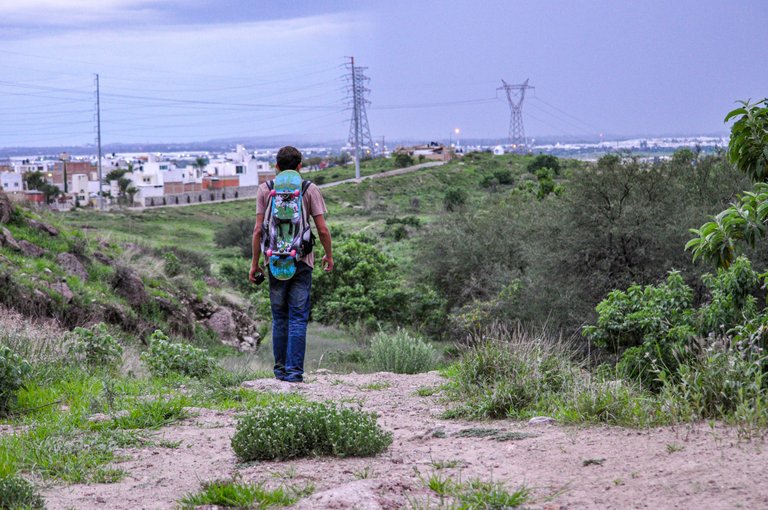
(165, 357)
(403, 159)
(301, 430)
(544, 161)
(171, 264)
(238, 234)
(508, 373)
(401, 353)
(17, 493)
(96, 347)
(720, 383)
(454, 199)
(616, 402)
(13, 370)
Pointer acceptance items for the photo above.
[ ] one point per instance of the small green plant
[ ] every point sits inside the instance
(171, 264)
(375, 386)
(426, 391)
(108, 475)
(300, 430)
(454, 199)
(674, 447)
(165, 357)
(401, 353)
(16, 493)
(13, 370)
(96, 347)
(234, 494)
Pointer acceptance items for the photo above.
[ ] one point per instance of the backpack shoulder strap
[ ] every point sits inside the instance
(305, 185)
(271, 184)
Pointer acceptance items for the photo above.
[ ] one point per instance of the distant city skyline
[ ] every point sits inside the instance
(196, 70)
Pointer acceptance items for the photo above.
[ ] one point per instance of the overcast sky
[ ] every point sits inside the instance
(193, 70)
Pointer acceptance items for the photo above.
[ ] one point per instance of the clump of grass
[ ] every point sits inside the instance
(401, 353)
(95, 347)
(315, 428)
(474, 493)
(148, 414)
(233, 494)
(17, 492)
(508, 374)
(13, 370)
(375, 386)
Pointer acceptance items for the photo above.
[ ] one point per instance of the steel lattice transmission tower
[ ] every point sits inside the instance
(359, 131)
(515, 97)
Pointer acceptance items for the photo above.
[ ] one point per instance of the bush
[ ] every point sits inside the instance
(238, 234)
(401, 353)
(508, 373)
(301, 430)
(96, 347)
(16, 493)
(544, 161)
(454, 199)
(171, 264)
(165, 357)
(403, 160)
(13, 370)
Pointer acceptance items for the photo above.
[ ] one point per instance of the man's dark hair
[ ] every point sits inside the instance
(288, 158)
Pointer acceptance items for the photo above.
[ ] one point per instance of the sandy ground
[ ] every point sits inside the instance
(563, 467)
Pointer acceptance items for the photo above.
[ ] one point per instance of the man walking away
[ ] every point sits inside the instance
(290, 298)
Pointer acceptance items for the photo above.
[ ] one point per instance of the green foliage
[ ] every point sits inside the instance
(300, 430)
(401, 353)
(732, 300)
(96, 347)
(13, 371)
(721, 383)
(359, 288)
(165, 357)
(403, 159)
(454, 199)
(239, 234)
(748, 146)
(17, 493)
(233, 494)
(744, 221)
(641, 314)
(171, 264)
(507, 375)
(544, 161)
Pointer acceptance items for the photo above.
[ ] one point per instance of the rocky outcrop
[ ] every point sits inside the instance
(128, 284)
(233, 326)
(30, 249)
(7, 239)
(101, 257)
(72, 265)
(6, 208)
(43, 227)
(223, 324)
(63, 289)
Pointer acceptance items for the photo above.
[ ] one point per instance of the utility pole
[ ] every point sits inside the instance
(98, 142)
(359, 131)
(515, 96)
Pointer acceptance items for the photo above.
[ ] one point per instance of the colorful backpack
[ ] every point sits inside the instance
(286, 234)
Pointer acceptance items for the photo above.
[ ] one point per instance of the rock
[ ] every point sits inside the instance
(101, 257)
(128, 284)
(212, 282)
(72, 265)
(6, 208)
(541, 420)
(63, 289)
(223, 324)
(360, 495)
(30, 249)
(323, 371)
(202, 308)
(8, 240)
(43, 227)
(166, 305)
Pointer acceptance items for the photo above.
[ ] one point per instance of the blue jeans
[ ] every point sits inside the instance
(290, 314)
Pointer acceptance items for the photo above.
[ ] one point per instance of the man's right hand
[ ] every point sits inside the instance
(254, 271)
(327, 263)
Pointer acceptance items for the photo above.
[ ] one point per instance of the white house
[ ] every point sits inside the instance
(242, 164)
(11, 182)
(498, 150)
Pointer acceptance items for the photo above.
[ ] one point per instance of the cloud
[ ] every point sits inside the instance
(66, 13)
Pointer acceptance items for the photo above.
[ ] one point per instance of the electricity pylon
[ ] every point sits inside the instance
(515, 96)
(359, 131)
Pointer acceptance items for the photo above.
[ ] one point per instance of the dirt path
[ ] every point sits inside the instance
(564, 467)
(388, 173)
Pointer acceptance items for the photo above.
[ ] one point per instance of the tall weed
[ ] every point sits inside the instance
(401, 353)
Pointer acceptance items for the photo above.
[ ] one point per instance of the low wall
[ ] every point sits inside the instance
(201, 197)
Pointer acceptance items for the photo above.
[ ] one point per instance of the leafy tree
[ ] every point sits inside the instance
(50, 192)
(115, 175)
(744, 222)
(454, 199)
(239, 234)
(544, 161)
(34, 180)
(199, 164)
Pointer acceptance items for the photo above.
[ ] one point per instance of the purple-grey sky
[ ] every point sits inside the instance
(190, 70)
